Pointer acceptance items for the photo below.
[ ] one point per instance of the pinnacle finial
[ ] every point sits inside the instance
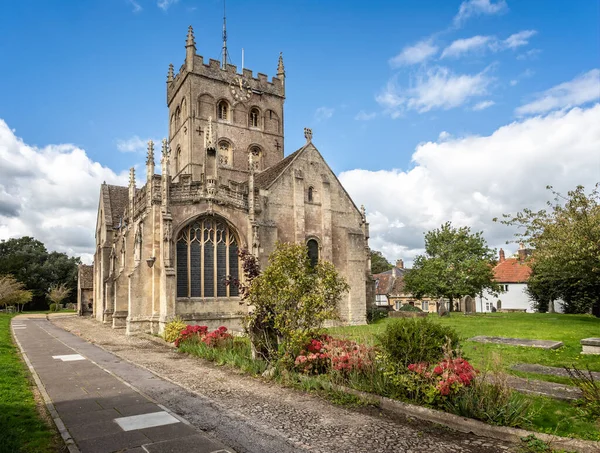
(165, 148)
(132, 177)
(280, 68)
(150, 155)
(308, 134)
(170, 75)
(363, 212)
(208, 135)
(190, 38)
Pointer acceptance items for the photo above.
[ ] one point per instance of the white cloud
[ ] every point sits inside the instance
(467, 45)
(483, 105)
(471, 180)
(417, 53)
(470, 8)
(133, 145)
(50, 193)
(364, 116)
(531, 54)
(518, 39)
(166, 4)
(581, 90)
(324, 113)
(513, 82)
(436, 88)
(444, 135)
(136, 6)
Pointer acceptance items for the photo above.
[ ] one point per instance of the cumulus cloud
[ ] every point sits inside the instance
(364, 116)
(436, 88)
(463, 46)
(470, 8)
(50, 193)
(483, 105)
(581, 90)
(136, 6)
(324, 113)
(417, 53)
(471, 180)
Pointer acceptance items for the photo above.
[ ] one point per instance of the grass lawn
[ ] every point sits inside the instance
(542, 326)
(21, 427)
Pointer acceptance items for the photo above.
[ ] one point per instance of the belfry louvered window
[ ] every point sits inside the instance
(207, 255)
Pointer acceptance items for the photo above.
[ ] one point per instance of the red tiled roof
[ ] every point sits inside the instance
(511, 270)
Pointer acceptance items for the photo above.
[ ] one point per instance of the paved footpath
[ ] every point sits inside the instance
(96, 411)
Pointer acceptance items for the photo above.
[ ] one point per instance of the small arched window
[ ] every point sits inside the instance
(253, 118)
(224, 153)
(256, 158)
(223, 110)
(313, 252)
(310, 194)
(178, 159)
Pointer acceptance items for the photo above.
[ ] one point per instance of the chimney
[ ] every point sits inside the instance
(522, 253)
(400, 264)
(502, 258)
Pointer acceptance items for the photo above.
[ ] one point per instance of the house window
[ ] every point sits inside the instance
(381, 300)
(489, 306)
(223, 110)
(313, 252)
(207, 255)
(398, 305)
(253, 118)
(424, 305)
(310, 194)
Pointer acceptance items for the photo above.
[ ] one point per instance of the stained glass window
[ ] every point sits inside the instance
(207, 256)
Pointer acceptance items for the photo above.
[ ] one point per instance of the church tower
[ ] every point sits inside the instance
(244, 113)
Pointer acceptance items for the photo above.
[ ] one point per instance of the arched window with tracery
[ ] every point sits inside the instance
(207, 255)
(313, 252)
(253, 117)
(256, 158)
(223, 110)
(225, 157)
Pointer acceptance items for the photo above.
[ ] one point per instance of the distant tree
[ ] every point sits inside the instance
(379, 263)
(565, 239)
(456, 263)
(29, 262)
(13, 292)
(58, 293)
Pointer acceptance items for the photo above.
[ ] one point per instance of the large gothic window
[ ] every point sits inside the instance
(313, 252)
(207, 255)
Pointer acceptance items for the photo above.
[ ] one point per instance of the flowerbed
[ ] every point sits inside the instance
(216, 338)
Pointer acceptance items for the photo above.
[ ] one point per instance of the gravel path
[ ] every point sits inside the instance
(253, 415)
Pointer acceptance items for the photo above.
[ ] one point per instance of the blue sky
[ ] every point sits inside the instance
(381, 83)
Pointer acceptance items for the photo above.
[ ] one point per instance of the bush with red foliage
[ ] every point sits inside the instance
(323, 354)
(216, 338)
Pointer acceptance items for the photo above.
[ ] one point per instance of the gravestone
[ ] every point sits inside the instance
(442, 310)
(467, 304)
(544, 344)
(590, 346)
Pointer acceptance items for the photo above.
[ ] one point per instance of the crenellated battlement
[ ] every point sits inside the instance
(213, 71)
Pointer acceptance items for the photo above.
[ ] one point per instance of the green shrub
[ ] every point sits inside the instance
(590, 390)
(492, 401)
(406, 341)
(173, 328)
(409, 307)
(55, 307)
(375, 314)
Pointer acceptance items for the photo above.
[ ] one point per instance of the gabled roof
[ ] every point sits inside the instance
(114, 199)
(265, 178)
(390, 283)
(512, 270)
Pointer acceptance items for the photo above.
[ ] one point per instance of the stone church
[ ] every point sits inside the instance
(167, 248)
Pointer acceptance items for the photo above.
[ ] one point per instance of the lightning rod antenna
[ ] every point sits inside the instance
(224, 61)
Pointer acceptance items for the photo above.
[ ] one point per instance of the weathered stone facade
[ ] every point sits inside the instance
(166, 249)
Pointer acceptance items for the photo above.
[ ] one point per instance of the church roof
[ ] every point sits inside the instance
(264, 179)
(115, 199)
(86, 276)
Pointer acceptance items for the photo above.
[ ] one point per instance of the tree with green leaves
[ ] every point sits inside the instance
(13, 292)
(29, 262)
(291, 300)
(456, 263)
(379, 263)
(565, 239)
(58, 293)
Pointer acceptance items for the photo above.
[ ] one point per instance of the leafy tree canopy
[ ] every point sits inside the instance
(565, 239)
(456, 263)
(379, 263)
(29, 262)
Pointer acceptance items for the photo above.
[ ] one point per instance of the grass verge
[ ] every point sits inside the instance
(22, 428)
